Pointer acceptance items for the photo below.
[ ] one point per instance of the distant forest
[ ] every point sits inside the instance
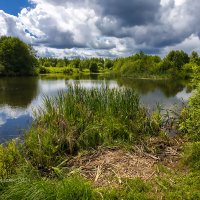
(18, 58)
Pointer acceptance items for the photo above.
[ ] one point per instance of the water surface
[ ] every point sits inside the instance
(19, 96)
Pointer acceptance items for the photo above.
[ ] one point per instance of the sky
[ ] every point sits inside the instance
(103, 28)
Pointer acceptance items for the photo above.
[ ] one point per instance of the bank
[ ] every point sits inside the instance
(84, 145)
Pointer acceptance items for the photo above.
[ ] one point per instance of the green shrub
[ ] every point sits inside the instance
(43, 70)
(10, 158)
(191, 155)
(191, 117)
(93, 67)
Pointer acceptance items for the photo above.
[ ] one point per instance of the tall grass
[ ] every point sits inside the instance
(75, 188)
(81, 119)
(72, 188)
(191, 117)
(10, 158)
(190, 124)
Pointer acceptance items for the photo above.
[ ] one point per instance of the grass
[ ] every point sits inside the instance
(10, 158)
(67, 70)
(190, 124)
(82, 119)
(72, 188)
(75, 188)
(191, 117)
(168, 186)
(58, 70)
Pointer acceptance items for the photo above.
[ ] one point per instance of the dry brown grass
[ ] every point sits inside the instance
(110, 166)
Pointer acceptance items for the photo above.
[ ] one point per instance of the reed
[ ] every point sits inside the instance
(81, 119)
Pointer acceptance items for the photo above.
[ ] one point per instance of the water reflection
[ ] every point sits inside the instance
(18, 91)
(169, 88)
(168, 94)
(89, 84)
(19, 96)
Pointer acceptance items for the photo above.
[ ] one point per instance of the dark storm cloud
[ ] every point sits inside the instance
(112, 27)
(130, 12)
(58, 40)
(173, 25)
(117, 15)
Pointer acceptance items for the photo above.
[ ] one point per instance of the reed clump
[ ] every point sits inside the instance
(81, 119)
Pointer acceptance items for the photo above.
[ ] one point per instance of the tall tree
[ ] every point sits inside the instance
(16, 57)
(178, 58)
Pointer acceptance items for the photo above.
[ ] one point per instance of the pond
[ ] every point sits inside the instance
(19, 96)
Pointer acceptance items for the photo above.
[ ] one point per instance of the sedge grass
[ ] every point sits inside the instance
(81, 119)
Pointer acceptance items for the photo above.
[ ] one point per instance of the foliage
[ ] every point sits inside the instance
(16, 57)
(178, 58)
(93, 67)
(194, 58)
(191, 155)
(190, 124)
(19, 58)
(9, 159)
(176, 64)
(191, 117)
(2, 69)
(179, 186)
(188, 70)
(44, 70)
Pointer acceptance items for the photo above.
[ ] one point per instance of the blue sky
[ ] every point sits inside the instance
(13, 7)
(103, 28)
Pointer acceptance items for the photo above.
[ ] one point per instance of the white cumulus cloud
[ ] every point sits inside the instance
(105, 27)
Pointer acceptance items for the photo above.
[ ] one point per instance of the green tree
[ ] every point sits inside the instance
(194, 58)
(16, 57)
(60, 63)
(94, 67)
(108, 63)
(178, 58)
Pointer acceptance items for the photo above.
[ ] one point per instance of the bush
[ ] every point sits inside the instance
(188, 70)
(9, 159)
(93, 67)
(191, 155)
(191, 120)
(43, 70)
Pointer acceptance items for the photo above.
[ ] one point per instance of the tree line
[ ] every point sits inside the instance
(176, 63)
(18, 58)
